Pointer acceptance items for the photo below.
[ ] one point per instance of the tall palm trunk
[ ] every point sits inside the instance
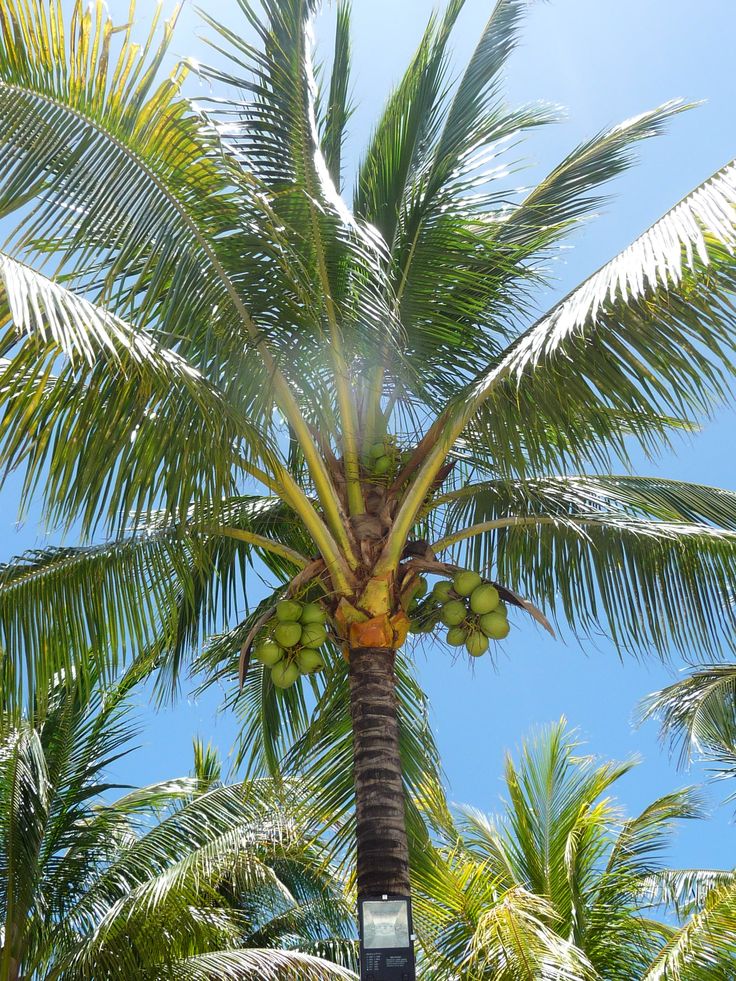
(383, 851)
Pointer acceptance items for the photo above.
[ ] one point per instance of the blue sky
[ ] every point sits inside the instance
(605, 60)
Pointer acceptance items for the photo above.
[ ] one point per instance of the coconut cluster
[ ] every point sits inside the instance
(383, 458)
(470, 608)
(291, 641)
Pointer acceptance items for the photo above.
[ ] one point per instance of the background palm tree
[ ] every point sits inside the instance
(562, 885)
(191, 309)
(189, 878)
(698, 720)
(698, 716)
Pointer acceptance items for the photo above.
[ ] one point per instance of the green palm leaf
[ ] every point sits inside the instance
(623, 554)
(142, 194)
(161, 877)
(705, 948)
(698, 715)
(652, 331)
(69, 360)
(254, 965)
(338, 109)
(556, 883)
(569, 193)
(155, 592)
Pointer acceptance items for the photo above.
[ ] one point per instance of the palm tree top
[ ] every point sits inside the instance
(188, 876)
(217, 355)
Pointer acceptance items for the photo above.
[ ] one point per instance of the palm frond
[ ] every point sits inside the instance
(698, 716)
(320, 750)
(168, 436)
(154, 593)
(705, 948)
(141, 194)
(338, 109)
(558, 865)
(653, 330)
(684, 890)
(429, 174)
(623, 554)
(569, 192)
(260, 965)
(513, 942)
(274, 133)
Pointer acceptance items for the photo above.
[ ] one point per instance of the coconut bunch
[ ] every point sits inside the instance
(290, 642)
(384, 457)
(472, 611)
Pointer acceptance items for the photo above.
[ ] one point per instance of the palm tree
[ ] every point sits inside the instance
(561, 884)
(698, 719)
(698, 716)
(189, 878)
(205, 346)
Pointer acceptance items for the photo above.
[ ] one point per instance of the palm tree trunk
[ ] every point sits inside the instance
(383, 850)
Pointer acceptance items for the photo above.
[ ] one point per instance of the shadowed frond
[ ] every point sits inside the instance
(285, 731)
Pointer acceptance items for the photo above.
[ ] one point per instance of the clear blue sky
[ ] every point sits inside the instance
(605, 60)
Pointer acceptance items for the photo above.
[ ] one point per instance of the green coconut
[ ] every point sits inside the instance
(288, 611)
(268, 652)
(494, 625)
(465, 582)
(313, 635)
(476, 644)
(421, 588)
(313, 613)
(502, 609)
(441, 590)
(284, 674)
(382, 465)
(453, 613)
(309, 660)
(456, 636)
(288, 634)
(377, 450)
(484, 598)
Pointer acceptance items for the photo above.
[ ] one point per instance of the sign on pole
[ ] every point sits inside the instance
(386, 939)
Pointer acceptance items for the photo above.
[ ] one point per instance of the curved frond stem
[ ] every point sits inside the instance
(268, 480)
(348, 410)
(284, 486)
(340, 563)
(346, 402)
(444, 543)
(323, 485)
(436, 445)
(654, 528)
(260, 541)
